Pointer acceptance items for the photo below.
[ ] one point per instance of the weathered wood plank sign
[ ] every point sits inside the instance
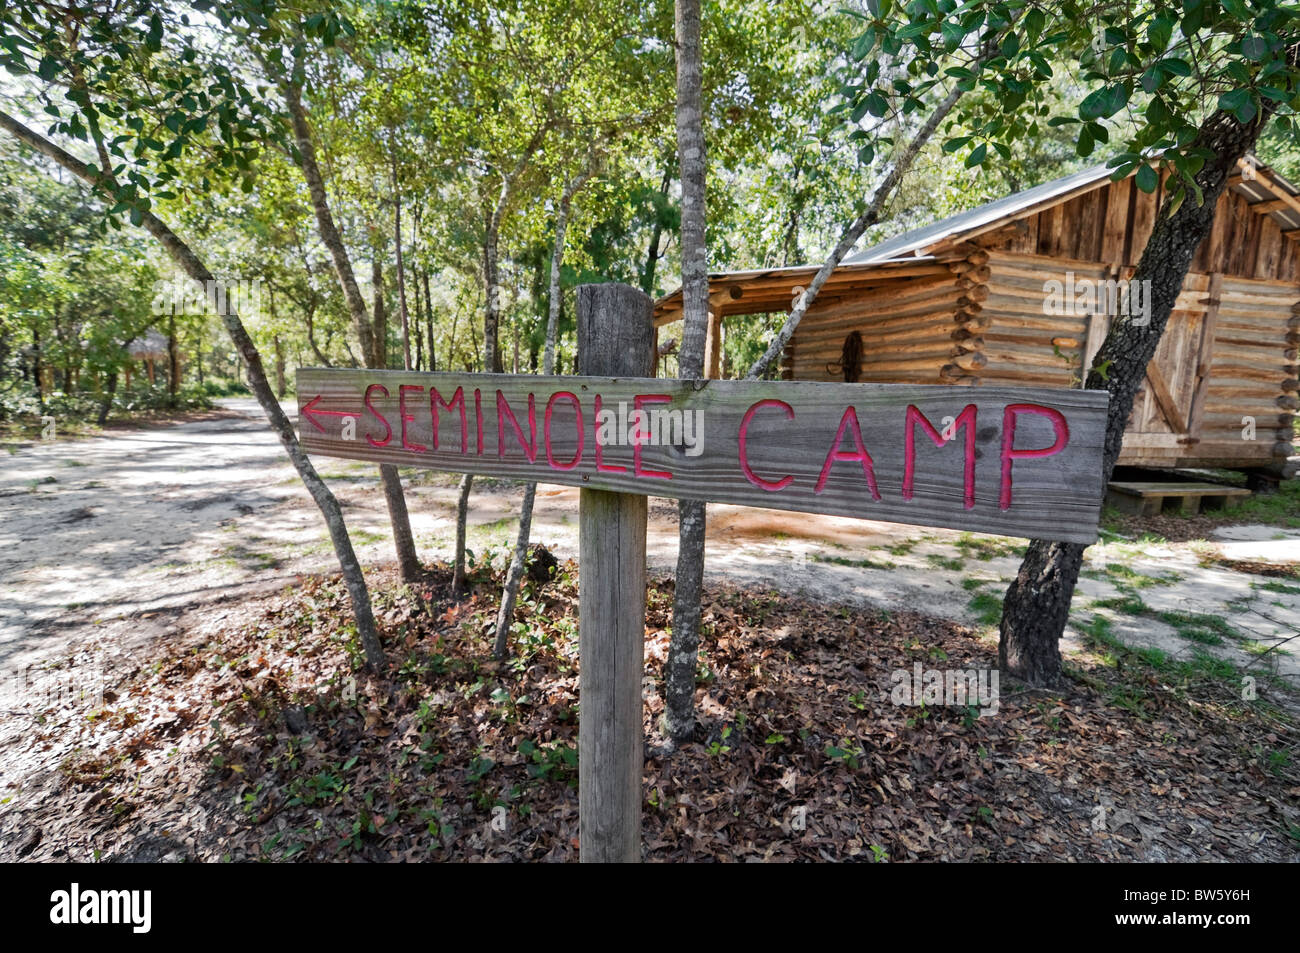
(1000, 460)
(1020, 462)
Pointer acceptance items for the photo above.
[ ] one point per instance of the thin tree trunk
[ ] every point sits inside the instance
(492, 285)
(106, 404)
(882, 196)
(653, 254)
(401, 272)
(189, 262)
(310, 317)
(329, 233)
(373, 344)
(36, 369)
(420, 364)
(1037, 604)
(515, 575)
(462, 518)
(198, 352)
(683, 649)
(380, 321)
(428, 323)
(408, 561)
(173, 365)
(281, 387)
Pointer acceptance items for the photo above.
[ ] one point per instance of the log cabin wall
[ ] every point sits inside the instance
(1228, 355)
(1220, 389)
(920, 329)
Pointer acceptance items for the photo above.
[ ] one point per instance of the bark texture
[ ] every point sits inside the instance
(1037, 604)
(679, 670)
(515, 575)
(373, 337)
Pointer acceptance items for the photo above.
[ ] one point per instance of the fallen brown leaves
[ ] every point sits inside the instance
(259, 736)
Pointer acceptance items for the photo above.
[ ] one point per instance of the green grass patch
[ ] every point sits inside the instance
(989, 547)
(863, 563)
(940, 561)
(1121, 574)
(1129, 603)
(986, 607)
(1273, 586)
(1199, 627)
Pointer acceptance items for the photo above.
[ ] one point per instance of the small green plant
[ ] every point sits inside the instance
(846, 753)
(720, 747)
(922, 713)
(1199, 627)
(878, 854)
(551, 762)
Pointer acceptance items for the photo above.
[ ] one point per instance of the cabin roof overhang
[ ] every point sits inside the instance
(924, 249)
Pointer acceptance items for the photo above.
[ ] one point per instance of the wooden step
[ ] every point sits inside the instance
(1147, 499)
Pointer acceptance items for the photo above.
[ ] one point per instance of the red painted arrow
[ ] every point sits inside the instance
(309, 412)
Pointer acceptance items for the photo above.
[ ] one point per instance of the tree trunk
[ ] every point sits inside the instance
(418, 336)
(462, 518)
(310, 316)
(198, 352)
(653, 254)
(401, 272)
(106, 404)
(408, 561)
(329, 233)
(428, 322)
(683, 649)
(373, 341)
(36, 369)
(173, 364)
(879, 199)
(184, 256)
(1037, 604)
(515, 574)
(281, 387)
(492, 305)
(380, 326)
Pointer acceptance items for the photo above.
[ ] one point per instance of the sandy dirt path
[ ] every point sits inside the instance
(117, 535)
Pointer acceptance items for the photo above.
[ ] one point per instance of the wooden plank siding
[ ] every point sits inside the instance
(974, 311)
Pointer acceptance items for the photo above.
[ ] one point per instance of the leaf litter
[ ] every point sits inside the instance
(256, 734)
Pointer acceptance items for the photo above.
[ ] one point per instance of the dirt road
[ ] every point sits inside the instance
(117, 534)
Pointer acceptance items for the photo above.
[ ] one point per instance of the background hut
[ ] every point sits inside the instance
(973, 299)
(150, 347)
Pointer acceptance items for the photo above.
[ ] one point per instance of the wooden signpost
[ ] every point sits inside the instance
(1018, 462)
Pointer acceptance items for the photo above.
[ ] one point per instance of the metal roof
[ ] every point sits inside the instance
(912, 246)
(1006, 207)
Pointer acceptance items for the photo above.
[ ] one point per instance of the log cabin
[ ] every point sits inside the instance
(1022, 291)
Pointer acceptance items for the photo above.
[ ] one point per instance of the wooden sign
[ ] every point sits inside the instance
(1014, 461)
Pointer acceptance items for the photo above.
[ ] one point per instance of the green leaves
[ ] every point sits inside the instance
(1146, 178)
(1239, 102)
(1104, 102)
(153, 39)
